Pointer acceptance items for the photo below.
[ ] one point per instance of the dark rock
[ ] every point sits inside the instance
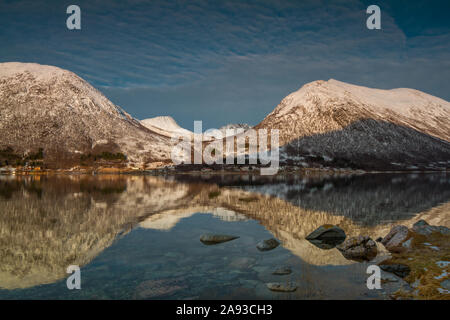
(327, 236)
(379, 239)
(267, 245)
(394, 239)
(401, 270)
(443, 230)
(210, 238)
(325, 232)
(389, 277)
(282, 271)
(423, 228)
(281, 287)
(358, 248)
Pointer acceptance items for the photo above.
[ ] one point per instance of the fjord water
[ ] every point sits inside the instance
(137, 237)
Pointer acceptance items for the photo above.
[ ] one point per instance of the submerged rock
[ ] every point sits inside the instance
(282, 271)
(159, 287)
(407, 244)
(327, 236)
(210, 238)
(445, 284)
(389, 277)
(267, 245)
(281, 287)
(394, 239)
(242, 262)
(401, 270)
(358, 248)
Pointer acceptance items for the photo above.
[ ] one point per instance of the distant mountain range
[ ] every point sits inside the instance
(167, 126)
(326, 123)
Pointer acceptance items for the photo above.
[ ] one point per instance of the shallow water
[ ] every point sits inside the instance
(137, 237)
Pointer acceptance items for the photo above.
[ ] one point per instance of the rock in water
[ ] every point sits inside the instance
(327, 236)
(394, 239)
(401, 270)
(267, 245)
(282, 271)
(210, 238)
(281, 287)
(358, 248)
(446, 284)
(159, 287)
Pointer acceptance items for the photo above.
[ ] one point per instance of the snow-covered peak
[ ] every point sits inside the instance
(166, 125)
(162, 122)
(402, 101)
(39, 71)
(33, 75)
(371, 128)
(47, 107)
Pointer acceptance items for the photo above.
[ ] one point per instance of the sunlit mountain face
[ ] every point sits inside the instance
(137, 237)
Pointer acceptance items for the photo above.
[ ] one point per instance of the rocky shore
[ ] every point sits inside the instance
(417, 263)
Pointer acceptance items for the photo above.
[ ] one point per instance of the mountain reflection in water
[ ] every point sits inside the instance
(50, 222)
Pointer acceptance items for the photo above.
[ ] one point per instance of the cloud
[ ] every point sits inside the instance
(226, 61)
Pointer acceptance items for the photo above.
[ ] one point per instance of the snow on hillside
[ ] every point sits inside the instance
(166, 125)
(335, 123)
(349, 125)
(54, 109)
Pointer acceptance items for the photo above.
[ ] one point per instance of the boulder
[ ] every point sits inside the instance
(281, 287)
(358, 248)
(210, 238)
(423, 228)
(394, 239)
(401, 270)
(267, 245)
(327, 236)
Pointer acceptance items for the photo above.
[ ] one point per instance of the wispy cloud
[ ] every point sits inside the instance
(227, 61)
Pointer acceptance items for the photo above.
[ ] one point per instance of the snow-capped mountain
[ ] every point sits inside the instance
(327, 123)
(167, 126)
(353, 126)
(54, 109)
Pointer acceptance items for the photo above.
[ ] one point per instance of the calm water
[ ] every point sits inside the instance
(137, 237)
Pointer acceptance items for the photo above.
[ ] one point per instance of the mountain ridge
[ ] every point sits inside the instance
(323, 124)
(45, 106)
(349, 125)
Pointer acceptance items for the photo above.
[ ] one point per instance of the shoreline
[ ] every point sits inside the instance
(209, 171)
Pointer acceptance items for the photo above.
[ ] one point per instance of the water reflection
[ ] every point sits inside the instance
(48, 223)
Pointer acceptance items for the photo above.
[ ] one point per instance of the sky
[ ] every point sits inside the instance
(230, 61)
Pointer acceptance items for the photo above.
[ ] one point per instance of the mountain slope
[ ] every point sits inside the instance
(347, 125)
(54, 109)
(167, 126)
